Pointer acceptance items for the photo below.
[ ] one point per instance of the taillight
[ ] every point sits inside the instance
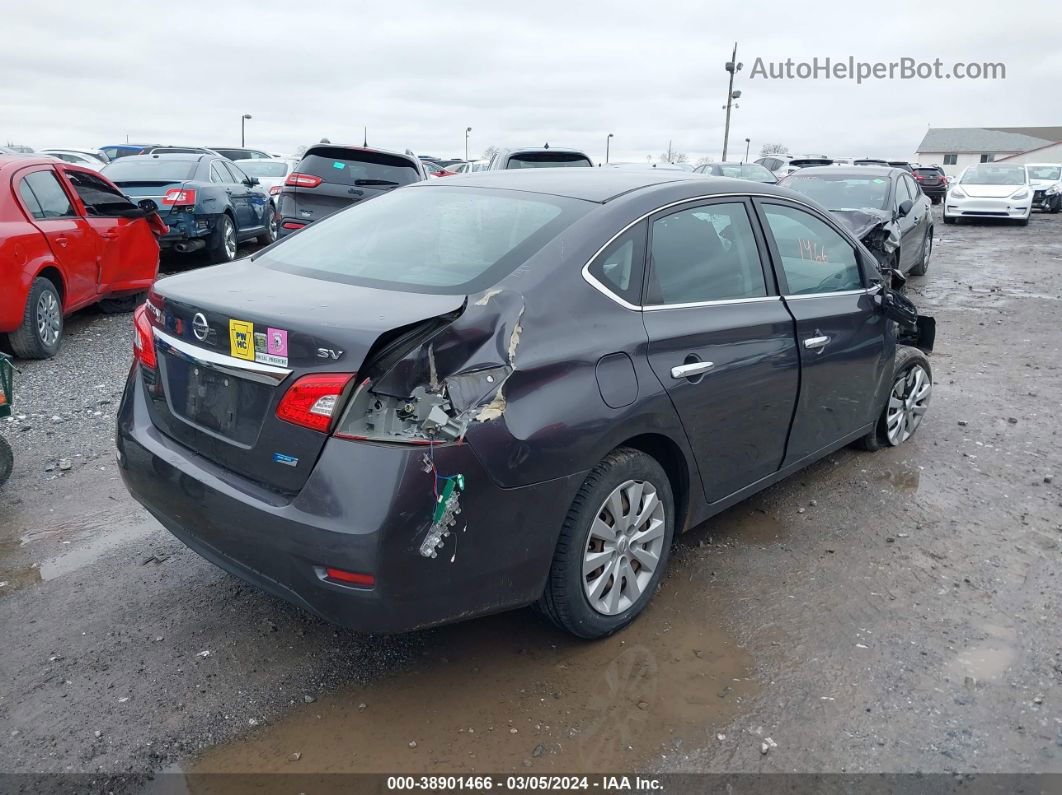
(293, 225)
(297, 180)
(143, 339)
(312, 400)
(179, 196)
(274, 190)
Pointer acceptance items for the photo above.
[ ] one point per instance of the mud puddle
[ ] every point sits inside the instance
(509, 693)
(62, 546)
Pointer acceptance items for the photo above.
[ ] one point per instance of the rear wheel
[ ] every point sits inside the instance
(223, 245)
(912, 387)
(126, 303)
(272, 224)
(613, 546)
(41, 331)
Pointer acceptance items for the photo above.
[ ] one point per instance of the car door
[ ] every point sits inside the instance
(721, 341)
(71, 239)
(922, 215)
(910, 240)
(235, 192)
(257, 197)
(127, 253)
(841, 334)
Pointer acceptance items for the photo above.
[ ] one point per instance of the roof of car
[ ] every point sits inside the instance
(20, 160)
(854, 171)
(589, 184)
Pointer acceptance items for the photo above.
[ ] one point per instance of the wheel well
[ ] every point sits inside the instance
(670, 457)
(56, 278)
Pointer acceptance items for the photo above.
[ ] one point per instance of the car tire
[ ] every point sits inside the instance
(927, 251)
(949, 219)
(7, 461)
(907, 388)
(223, 244)
(272, 227)
(126, 303)
(1056, 205)
(569, 599)
(41, 331)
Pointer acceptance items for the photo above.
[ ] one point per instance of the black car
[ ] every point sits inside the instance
(498, 389)
(883, 207)
(901, 164)
(871, 161)
(331, 177)
(538, 157)
(750, 171)
(932, 181)
(206, 200)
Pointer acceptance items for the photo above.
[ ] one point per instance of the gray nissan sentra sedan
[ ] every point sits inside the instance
(509, 388)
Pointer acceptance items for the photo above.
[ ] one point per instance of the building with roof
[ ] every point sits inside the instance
(955, 148)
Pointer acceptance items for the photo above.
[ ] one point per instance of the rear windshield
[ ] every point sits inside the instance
(994, 175)
(263, 168)
(747, 171)
(548, 160)
(355, 167)
(842, 192)
(447, 240)
(161, 170)
(927, 172)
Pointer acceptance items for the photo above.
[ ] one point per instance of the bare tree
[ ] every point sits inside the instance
(489, 152)
(774, 149)
(671, 156)
(703, 161)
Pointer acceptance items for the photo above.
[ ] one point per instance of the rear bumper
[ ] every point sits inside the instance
(186, 227)
(365, 508)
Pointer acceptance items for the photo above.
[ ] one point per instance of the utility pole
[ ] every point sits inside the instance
(467, 131)
(365, 137)
(243, 121)
(733, 67)
(747, 141)
(607, 142)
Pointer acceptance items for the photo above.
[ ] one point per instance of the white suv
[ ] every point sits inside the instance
(1046, 182)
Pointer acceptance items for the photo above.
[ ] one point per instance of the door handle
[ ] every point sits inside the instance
(816, 343)
(62, 241)
(110, 235)
(690, 370)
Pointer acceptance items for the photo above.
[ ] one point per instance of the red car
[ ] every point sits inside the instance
(68, 238)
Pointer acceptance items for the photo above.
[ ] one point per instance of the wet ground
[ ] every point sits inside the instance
(895, 611)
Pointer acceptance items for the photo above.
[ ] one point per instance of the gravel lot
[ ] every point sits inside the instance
(887, 612)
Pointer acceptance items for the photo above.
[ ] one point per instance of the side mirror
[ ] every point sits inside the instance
(250, 182)
(904, 208)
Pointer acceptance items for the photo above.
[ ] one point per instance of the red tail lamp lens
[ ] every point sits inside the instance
(349, 577)
(312, 400)
(143, 339)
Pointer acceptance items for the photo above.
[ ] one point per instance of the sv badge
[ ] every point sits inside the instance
(328, 353)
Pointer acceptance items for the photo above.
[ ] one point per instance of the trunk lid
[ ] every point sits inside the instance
(231, 340)
(154, 190)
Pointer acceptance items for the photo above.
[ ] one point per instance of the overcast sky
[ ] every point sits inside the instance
(418, 73)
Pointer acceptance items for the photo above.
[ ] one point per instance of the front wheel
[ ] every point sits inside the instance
(949, 219)
(223, 247)
(912, 387)
(1056, 204)
(923, 262)
(1023, 222)
(613, 546)
(272, 225)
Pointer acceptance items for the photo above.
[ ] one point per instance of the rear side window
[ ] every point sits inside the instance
(355, 167)
(705, 253)
(433, 240)
(548, 160)
(51, 197)
(218, 173)
(619, 267)
(98, 197)
(815, 258)
(30, 200)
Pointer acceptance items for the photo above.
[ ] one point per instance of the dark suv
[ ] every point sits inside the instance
(330, 177)
(932, 181)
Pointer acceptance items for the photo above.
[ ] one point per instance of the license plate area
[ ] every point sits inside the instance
(216, 401)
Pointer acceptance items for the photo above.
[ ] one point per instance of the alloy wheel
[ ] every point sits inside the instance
(624, 547)
(907, 403)
(229, 240)
(49, 318)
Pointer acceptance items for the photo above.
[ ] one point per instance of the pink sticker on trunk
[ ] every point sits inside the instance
(277, 342)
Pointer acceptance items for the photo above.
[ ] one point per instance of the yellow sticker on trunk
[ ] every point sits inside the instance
(241, 339)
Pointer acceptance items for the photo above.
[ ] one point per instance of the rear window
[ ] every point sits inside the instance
(355, 167)
(161, 170)
(548, 160)
(432, 240)
(928, 172)
(263, 168)
(750, 171)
